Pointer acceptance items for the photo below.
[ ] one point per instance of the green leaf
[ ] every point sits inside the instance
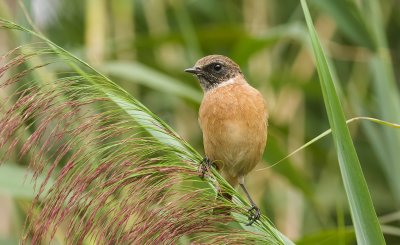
(141, 74)
(365, 221)
(287, 168)
(329, 237)
(249, 45)
(365, 26)
(17, 182)
(348, 19)
(386, 92)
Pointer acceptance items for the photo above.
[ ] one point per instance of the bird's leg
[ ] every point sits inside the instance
(204, 166)
(254, 211)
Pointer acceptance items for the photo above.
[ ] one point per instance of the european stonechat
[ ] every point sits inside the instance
(233, 117)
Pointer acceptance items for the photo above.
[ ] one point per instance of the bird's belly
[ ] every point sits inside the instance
(237, 147)
(234, 132)
(233, 119)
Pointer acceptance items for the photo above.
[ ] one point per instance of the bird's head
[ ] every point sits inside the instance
(214, 70)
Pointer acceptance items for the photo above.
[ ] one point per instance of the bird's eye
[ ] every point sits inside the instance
(217, 67)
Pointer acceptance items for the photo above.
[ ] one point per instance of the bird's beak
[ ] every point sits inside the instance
(194, 70)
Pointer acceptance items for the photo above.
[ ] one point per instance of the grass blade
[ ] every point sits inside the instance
(348, 19)
(365, 221)
(386, 92)
(141, 74)
(15, 181)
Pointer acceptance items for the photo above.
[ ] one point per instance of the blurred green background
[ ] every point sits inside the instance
(144, 46)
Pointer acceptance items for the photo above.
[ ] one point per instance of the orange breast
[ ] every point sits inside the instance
(233, 119)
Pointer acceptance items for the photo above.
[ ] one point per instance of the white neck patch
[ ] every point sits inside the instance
(230, 81)
(226, 83)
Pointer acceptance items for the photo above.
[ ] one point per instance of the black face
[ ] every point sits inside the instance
(214, 70)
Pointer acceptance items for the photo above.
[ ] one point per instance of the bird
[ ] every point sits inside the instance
(233, 117)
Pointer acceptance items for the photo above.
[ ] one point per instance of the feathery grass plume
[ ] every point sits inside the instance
(121, 175)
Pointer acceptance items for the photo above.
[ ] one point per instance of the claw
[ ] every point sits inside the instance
(254, 214)
(204, 167)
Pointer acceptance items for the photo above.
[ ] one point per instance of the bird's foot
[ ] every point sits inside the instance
(204, 167)
(254, 214)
